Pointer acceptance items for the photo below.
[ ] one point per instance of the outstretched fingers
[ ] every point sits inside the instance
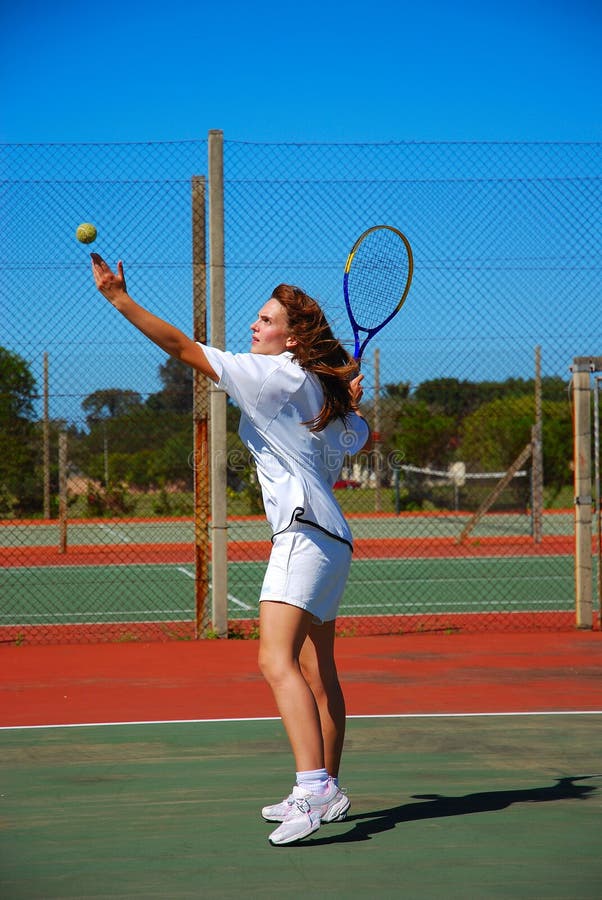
(107, 281)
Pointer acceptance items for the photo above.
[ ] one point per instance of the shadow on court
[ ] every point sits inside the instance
(369, 824)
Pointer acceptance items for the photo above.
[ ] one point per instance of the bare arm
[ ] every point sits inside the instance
(112, 286)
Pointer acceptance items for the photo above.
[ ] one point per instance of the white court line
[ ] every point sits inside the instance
(116, 532)
(238, 602)
(231, 597)
(472, 715)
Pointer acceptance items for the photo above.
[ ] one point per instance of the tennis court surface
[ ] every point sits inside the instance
(138, 770)
(136, 580)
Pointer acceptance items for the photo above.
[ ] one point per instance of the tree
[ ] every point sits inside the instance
(174, 462)
(399, 391)
(456, 398)
(109, 403)
(557, 440)
(493, 436)
(17, 389)
(177, 393)
(461, 398)
(20, 487)
(145, 444)
(424, 437)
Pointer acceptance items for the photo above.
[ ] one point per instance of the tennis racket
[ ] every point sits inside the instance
(377, 278)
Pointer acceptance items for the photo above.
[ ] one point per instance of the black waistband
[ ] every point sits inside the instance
(297, 516)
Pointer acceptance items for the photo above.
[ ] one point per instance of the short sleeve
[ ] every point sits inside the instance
(255, 381)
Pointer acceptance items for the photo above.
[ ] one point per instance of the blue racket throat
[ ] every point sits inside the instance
(359, 344)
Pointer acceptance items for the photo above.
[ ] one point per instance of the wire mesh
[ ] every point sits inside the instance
(127, 414)
(507, 241)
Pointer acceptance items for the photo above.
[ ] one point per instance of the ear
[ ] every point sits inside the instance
(291, 341)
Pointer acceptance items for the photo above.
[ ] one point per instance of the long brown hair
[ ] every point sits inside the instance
(318, 351)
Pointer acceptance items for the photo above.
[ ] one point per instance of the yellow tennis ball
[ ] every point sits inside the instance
(86, 233)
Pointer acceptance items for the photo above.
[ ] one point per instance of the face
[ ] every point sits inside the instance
(270, 332)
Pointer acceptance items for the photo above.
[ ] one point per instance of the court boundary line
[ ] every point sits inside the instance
(370, 560)
(459, 715)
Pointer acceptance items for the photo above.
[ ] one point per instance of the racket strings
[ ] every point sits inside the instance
(377, 281)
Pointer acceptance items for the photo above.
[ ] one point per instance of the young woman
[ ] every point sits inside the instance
(298, 391)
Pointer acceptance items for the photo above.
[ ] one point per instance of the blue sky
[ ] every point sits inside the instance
(317, 71)
(266, 72)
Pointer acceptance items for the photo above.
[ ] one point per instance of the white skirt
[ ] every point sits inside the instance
(308, 569)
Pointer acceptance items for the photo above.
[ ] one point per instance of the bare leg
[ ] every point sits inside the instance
(283, 630)
(319, 670)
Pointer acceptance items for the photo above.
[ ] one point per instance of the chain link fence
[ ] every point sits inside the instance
(462, 505)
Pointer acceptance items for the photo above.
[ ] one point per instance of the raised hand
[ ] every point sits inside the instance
(110, 284)
(356, 390)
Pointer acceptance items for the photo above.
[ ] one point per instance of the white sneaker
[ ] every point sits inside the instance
(307, 812)
(301, 820)
(335, 811)
(279, 811)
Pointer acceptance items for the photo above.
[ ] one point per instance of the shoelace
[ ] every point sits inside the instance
(302, 805)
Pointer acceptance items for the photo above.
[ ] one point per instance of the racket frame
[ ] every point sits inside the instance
(360, 345)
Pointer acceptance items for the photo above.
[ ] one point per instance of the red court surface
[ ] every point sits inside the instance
(398, 675)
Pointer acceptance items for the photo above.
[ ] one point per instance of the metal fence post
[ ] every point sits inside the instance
(219, 521)
(537, 456)
(200, 412)
(583, 492)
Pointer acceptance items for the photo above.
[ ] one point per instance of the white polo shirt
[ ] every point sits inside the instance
(296, 467)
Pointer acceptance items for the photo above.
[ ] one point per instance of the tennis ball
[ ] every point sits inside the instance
(86, 233)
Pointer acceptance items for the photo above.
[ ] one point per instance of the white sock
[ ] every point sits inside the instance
(314, 780)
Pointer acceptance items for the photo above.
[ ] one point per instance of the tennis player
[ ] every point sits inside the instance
(298, 391)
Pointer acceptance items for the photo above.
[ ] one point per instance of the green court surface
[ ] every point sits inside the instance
(160, 592)
(442, 807)
(40, 594)
(120, 531)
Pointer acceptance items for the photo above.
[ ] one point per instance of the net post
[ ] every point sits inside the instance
(200, 411)
(219, 514)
